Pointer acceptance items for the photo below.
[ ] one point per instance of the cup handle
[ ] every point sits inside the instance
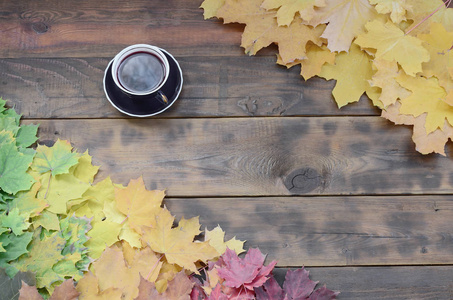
(161, 97)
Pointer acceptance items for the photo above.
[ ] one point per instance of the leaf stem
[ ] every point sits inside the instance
(125, 219)
(48, 185)
(153, 268)
(446, 3)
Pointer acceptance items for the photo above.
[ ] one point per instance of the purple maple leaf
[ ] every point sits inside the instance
(270, 290)
(298, 285)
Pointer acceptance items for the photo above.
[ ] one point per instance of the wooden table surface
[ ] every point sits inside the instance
(249, 145)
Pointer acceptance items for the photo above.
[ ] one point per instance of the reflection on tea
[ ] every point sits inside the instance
(141, 72)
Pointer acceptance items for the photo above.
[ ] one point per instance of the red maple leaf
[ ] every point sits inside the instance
(248, 272)
(217, 294)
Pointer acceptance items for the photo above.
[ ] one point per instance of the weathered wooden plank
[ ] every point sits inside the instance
(259, 156)
(384, 282)
(60, 28)
(213, 86)
(333, 231)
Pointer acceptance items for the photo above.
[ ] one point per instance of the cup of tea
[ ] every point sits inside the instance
(142, 80)
(141, 70)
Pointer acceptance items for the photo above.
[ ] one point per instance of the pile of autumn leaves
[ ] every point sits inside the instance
(71, 239)
(397, 52)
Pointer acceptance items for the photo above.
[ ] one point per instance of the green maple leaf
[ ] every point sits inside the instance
(13, 168)
(43, 255)
(6, 137)
(26, 136)
(56, 159)
(15, 247)
(16, 221)
(11, 113)
(67, 267)
(9, 124)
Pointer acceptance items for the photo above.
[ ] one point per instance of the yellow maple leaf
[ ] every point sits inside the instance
(420, 9)
(47, 220)
(352, 70)
(103, 193)
(316, 58)
(346, 20)
(287, 9)
(311, 66)
(167, 273)
(177, 243)
(391, 43)
(210, 7)
(439, 42)
(425, 143)
(85, 170)
(92, 203)
(385, 78)
(58, 190)
(262, 29)
(130, 235)
(102, 235)
(427, 97)
(396, 8)
(138, 204)
(216, 239)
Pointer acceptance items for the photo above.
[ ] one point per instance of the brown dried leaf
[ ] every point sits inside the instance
(28, 292)
(65, 291)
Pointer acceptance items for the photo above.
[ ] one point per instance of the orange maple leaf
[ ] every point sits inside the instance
(138, 204)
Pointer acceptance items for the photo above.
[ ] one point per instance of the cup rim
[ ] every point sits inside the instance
(134, 48)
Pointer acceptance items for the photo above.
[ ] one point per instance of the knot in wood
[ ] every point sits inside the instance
(39, 27)
(303, 180)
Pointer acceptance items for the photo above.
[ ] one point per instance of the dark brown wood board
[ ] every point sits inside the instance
(258, 156)
(333, 231)
(213, 87)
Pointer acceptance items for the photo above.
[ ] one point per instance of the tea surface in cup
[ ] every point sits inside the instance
(141, 72)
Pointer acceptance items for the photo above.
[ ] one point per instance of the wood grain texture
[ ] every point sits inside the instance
(213, 87)
(259, 156)
(333, 231)
(60, 28)
(377, 283)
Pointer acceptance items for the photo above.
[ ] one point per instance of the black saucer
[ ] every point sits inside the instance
(144, 106)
